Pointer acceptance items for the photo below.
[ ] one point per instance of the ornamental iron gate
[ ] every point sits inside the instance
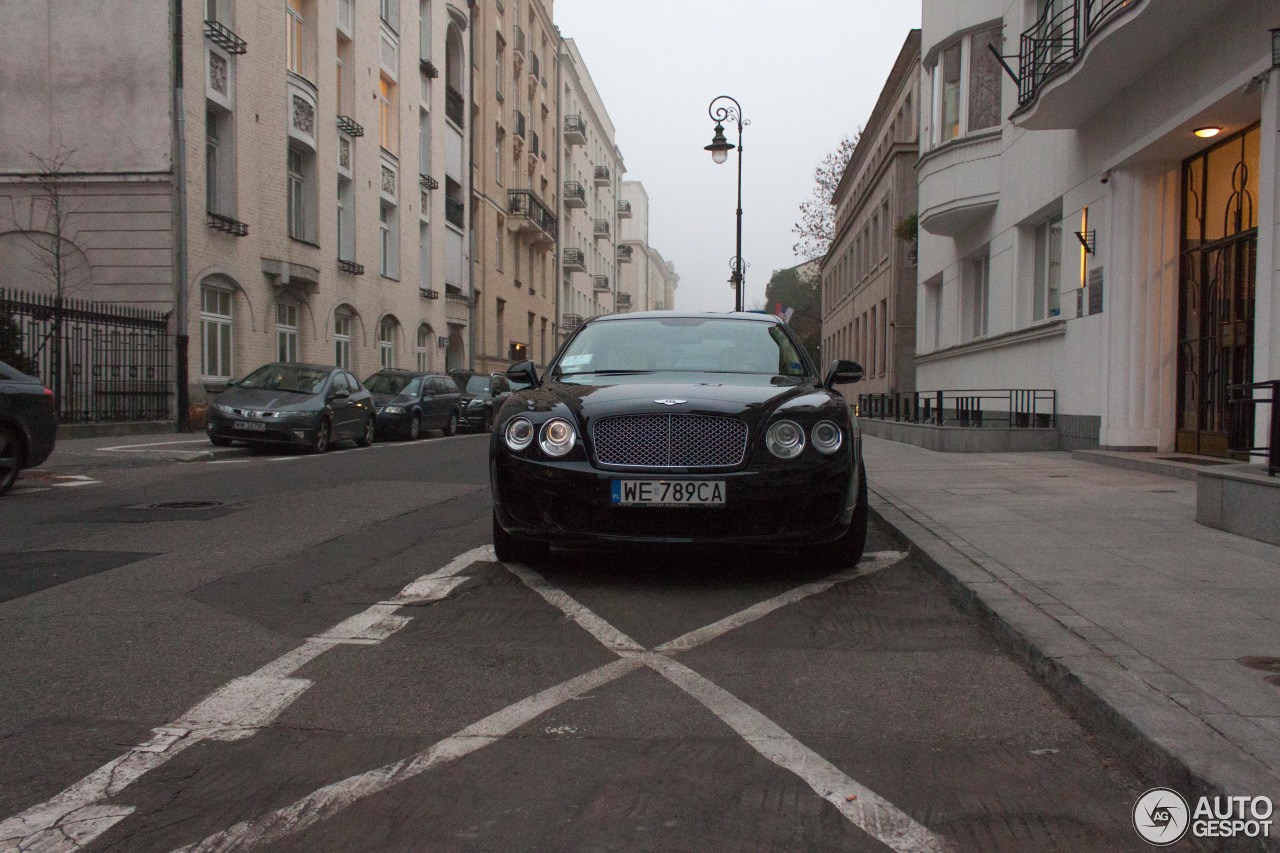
(1216, 295)
(104, 362)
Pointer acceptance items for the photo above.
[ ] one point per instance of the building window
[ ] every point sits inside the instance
(211, 162)
(966, 86)
(390, 12)
(949, 92)
(346, 220)
(286, 331)
(500, 73)
(296, 38)
(933, 315)
(500, 348)
(386, 237)
(978, 294)
(1048, 270)
(423, 349)
(342, 339)
(299, 221)
(387, 125)
(984, 80)
(215, 333)
(501, 239)
(387, 342)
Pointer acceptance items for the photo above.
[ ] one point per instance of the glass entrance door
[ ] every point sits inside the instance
(1216, 295)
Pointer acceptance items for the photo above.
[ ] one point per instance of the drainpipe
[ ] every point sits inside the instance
(472, 306)
(181, 339)
(558, 136)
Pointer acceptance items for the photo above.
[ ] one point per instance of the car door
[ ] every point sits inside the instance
(339, 399)
(447, 395)
(362, 406)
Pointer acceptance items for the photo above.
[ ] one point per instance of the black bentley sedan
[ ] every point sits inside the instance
(679, 429)
(292, 404)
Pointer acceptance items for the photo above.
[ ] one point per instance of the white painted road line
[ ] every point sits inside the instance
(874, 815)
(239, 709)
(144, 448)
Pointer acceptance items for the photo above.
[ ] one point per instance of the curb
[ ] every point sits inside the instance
(1148, 730)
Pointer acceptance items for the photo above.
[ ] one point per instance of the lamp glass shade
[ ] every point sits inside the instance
(719, 154)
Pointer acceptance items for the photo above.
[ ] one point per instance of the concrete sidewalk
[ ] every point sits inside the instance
(1101, 578)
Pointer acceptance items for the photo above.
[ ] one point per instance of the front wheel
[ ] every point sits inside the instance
(366, 437)
(451, 428)
(320, 442)
(415, 428)
(11, 458)
(847, 550)
(509, 549)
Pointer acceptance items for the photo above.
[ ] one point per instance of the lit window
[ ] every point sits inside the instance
(950, 82)
(387, 126)
(294, 40)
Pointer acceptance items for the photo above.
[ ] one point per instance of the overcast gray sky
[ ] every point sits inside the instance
(805, 71)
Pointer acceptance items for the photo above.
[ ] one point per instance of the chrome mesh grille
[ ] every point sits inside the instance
(670, 441)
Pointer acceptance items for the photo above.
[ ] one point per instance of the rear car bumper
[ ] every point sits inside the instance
(570, 503)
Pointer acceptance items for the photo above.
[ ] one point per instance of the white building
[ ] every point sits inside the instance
(1080, 230)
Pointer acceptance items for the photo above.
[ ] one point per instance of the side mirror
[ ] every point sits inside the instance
(340, 395)
(842, 372)
(523, 371)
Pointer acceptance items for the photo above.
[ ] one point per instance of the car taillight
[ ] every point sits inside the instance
(48, 392)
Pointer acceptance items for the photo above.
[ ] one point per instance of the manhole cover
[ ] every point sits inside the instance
(185, 505)
(1266, 664)
(1191, 460)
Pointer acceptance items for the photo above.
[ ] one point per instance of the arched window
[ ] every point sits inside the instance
(342, 338)
(215, 332)
(387, 342)
(426, 339)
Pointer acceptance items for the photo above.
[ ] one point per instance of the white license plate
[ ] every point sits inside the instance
(668, 493)
(250, 426)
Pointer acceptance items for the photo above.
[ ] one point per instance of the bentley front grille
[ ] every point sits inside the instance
(670, 441)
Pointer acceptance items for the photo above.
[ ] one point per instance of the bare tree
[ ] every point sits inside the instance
(816, 227)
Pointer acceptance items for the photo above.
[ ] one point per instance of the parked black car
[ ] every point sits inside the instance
(289, 404)
(680, 428)
(481, 395)
(410, 401)
(28, 424)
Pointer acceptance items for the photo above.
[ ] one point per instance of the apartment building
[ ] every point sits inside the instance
(593, 208)
(1099, 218)
(661, 281)
(868, 276)
(320, 151)
(516, 187)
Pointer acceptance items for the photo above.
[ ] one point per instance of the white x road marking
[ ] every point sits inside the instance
(870, 812)
(235, 711)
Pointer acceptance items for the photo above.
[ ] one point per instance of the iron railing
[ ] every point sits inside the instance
(574, 191)
(454, 212)
(575, 258)
(575, 128)
(104, 362)
(1271, 450)
(454, 106)
(525, 203)
(1003, 408)
(1058, 38)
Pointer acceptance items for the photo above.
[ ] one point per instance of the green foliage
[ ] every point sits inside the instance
(11, 346)
(908, 228)
(797, 288)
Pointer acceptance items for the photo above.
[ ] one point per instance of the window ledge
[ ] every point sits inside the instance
(1056, 327)
(304, 241)
(975, 138)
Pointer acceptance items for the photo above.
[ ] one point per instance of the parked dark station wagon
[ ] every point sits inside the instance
(679, 428)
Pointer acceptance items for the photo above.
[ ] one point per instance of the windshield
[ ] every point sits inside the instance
(394, 383)
(473, 384)
(286, 377)
(684, 345)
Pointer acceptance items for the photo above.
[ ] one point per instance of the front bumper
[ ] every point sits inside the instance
(570, 503)
(300, 433)
(391, 423)
(475, 418)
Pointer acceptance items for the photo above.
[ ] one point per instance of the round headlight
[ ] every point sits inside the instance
(785, 439)
(827, 437)
(557, 438)
(519, 433)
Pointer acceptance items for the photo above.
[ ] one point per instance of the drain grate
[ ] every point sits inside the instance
(1266, 664)
(186, 505)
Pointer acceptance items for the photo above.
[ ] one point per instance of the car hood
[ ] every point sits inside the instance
(751, 398)
(267, 400)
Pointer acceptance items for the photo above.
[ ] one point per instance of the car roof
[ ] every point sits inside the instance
(718, 315)
(404, 371)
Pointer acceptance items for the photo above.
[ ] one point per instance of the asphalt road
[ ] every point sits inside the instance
(321, 654)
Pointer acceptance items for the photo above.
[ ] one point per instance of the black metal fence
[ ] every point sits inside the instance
(1247, 397)
(1004, 408)
(104, 362)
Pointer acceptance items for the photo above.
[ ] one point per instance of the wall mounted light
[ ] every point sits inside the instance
(1207, 132)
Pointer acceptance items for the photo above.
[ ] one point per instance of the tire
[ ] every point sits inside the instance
(320, 442)
(219, 441)
(488, 422)
(451, 428)
(509, 549)
(847, 550)
(11, 458)
(415, 428)
(366, 437)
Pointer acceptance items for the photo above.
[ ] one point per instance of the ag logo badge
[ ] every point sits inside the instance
(1161, 816)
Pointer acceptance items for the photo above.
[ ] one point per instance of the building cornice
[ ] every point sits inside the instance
(1040, 331)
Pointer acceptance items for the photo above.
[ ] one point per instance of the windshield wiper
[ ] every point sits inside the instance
(606, 372)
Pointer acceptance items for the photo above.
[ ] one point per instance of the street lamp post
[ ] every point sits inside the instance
(720, 148)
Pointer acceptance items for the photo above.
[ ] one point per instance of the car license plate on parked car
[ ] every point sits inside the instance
(250, 426)
(668, 493)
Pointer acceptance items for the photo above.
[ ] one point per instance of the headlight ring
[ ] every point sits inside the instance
(518, 434)
(785, 439)
(557, 437)
(827, 437)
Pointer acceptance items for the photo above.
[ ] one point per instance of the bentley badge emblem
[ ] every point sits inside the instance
(670, 402)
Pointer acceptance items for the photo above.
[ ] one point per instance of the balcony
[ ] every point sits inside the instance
(575, 194)
(1081, 54)
(600, 229)
(600, 283)
(622, 300)
(222, 36)
(535, 69)
(575, 260)
(457, 307)
(959, 184)
(428, 183)
(624, 254)
(227, 225)
(572, 321)
(350, 267)
(624, 210)
(519, 122)
(350, 126)
(575, 130)
(602, 176)
(517, 47)
(528, 215)
(428, 68)
(455, 106)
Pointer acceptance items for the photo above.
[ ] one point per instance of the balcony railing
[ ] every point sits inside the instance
(1058, 38)
(455, 212)
(1245, 397)
(624, 208)
(428, 68)
(226, 224)
(600, 282)
(519, 122)
(455, 106)
(1002, 408)
(518, 41)
(572, 321)
(350, 126)
(624, 254)
(622, 300)
(575, 130)
(532, 215)
(575, 260)
(602, 176)
(350, 267)
(600, 228)
(428, 183)
(575, 194)
(221, 35)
